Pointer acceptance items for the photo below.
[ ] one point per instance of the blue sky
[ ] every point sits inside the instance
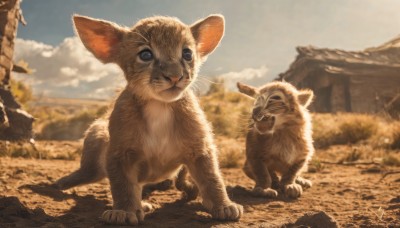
(259, 43)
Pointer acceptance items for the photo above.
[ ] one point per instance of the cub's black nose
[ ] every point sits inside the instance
(257, 113)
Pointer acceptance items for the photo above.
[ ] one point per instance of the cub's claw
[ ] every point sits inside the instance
(305, 183)
(293, 190)
(260, 192)
(120, 217)
(232, 211)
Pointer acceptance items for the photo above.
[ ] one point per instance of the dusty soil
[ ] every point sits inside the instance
(352, 196)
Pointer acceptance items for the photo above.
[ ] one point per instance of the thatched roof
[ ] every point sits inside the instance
(385, 58)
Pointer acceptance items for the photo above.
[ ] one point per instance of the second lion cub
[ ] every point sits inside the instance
(279, 142)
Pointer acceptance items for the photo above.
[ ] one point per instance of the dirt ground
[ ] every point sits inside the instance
(353, 196)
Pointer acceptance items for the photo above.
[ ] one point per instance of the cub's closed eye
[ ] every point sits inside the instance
(187, 54)
(146, 55)
(275, 98)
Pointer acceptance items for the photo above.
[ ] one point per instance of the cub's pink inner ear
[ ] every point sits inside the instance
(246, 89)
(305, 97)
(99, 37)
(208, 33)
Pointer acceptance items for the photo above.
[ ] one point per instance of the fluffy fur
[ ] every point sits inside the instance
(156, 125)
(279, 141)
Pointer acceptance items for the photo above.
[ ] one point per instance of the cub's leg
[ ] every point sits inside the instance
(126, 191)
(275, 184)
(205, 172)
(289, 185)
(94, 150)
(262, 177)
(189, 189)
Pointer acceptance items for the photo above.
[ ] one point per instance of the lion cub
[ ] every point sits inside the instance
(156, 125)
(279, 142)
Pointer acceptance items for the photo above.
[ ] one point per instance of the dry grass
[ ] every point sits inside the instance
(315, 166)
(391, 160)
(231, 152)
(355, 128)
(65, 150)
(70, 128)
(338, 137)
(395, 144)
(228, 112)
(350, 128)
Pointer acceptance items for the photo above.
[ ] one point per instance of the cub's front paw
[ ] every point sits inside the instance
(268, 192)
(293, 190)
(120, 217)
(304, 182)
(147, 207)
(231, 211)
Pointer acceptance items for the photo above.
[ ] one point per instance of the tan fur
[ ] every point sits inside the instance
(156, 125)
(279, 142)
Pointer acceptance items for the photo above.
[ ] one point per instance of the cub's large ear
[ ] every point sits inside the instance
(246, 89)
(102, 38)
(208, 33)
(305, 97)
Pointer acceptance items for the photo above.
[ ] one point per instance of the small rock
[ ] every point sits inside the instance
(393, 207)
(276, 205)
(367, 197)
(395, 200)
(317, 219)
(374, 169)
(18, 171)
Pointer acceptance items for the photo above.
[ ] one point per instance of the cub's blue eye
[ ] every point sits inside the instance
(146, 55)
(187, 54)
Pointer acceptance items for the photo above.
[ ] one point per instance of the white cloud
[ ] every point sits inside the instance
(246, 75)
(67, 70)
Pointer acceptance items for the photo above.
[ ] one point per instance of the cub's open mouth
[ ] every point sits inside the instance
(265, 124)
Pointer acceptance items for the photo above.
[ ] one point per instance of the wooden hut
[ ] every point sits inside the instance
(348, 81)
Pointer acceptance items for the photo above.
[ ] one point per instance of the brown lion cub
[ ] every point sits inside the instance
(279, 141)
(156, 125)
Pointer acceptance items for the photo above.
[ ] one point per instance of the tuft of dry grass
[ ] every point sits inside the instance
(355, 128)
(351, 128)
(315, 166)
(354, 155)
(391, 160)
(231, 152)
(228, 112)
(42, 149)
(395, 137)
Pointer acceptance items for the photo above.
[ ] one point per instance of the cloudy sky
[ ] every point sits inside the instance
(259, 43)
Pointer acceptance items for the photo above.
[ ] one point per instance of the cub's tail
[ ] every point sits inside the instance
(93, 159)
